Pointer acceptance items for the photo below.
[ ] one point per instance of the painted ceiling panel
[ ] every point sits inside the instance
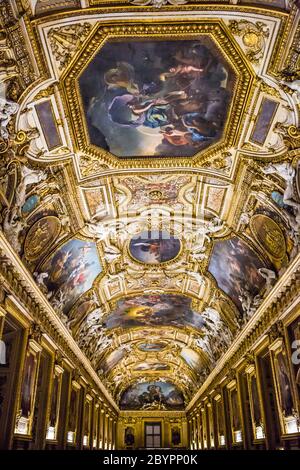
(150, 182)
(70, 272)
(154, 310)
(156, 98)
(235, 267)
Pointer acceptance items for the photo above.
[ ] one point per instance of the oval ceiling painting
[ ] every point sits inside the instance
(157, 98)
(154, 247)
(162, 395)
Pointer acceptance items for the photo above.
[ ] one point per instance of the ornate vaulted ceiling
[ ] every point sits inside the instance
(149, 178)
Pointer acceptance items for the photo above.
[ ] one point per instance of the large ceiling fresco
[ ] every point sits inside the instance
(235, 267)
(176, 94)
(157, 98)
(70, 272)
(149, 181)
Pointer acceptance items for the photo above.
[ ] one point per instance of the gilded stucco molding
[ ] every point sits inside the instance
(15, 34)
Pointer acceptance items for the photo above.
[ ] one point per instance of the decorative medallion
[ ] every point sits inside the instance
(154, 247)
(269, 235)
(41, 236)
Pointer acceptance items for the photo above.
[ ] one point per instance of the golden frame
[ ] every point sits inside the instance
(103, 33)
(236, 434)
(252, 375)
(264, 99)
(279, 348)
(23, 426)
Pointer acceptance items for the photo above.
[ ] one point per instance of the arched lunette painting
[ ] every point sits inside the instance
(152, 394)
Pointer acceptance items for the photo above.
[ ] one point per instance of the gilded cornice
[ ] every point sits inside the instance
(110, 7)
(127, 415)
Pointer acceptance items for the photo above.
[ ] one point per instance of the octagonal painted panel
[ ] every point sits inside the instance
(137, 94)
(156, 98)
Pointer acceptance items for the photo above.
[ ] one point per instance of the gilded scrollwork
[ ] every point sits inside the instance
(253, 37)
